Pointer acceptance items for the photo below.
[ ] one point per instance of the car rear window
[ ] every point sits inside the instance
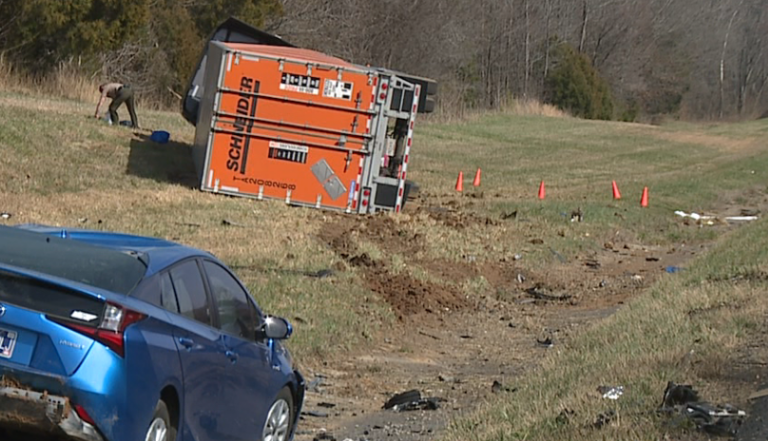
(50, 299)
(70, 259)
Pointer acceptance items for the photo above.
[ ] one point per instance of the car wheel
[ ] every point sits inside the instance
(280, 418)
(160, 429)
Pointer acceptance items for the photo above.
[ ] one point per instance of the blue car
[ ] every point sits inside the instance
(113, 337)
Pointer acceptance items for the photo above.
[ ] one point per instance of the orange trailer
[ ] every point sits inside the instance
(304, 127)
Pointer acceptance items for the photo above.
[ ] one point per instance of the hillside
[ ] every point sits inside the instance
(460, 286)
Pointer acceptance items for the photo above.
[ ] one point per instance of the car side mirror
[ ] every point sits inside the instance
(276, 328)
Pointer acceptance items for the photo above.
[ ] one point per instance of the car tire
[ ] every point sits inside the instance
(279, 423)
(160, 428)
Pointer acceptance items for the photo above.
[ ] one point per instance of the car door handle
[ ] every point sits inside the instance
(187, 342)
(232, 355)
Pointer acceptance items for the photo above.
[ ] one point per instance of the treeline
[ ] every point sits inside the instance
(608, 59)
(688, 58)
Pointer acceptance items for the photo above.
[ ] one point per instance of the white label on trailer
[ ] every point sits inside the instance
(338, 89)
(300, 83)
(390, 147)
(288, 152)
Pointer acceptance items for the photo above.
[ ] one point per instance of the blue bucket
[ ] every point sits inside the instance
(160, 136)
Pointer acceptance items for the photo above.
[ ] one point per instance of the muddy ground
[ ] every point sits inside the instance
(462, 350)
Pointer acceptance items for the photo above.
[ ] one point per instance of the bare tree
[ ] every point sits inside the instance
(722, 58)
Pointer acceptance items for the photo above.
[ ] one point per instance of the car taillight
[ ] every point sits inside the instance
(112, 327)
(84, 415)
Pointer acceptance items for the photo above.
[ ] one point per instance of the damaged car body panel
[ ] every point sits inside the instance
(92, 338)
(48, 414)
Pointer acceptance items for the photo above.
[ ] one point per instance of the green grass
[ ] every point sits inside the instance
(58, 166)
(714, 309)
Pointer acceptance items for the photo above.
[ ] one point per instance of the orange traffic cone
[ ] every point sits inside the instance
(644, 199)
(460, 182)
(542, 191)
(476, 182)
(616, 194)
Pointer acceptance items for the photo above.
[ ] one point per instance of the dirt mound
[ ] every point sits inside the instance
(407, 295)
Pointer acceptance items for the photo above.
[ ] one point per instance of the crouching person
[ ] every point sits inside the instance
(119, 93)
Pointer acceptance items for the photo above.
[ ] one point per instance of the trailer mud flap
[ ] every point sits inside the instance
(328, 179)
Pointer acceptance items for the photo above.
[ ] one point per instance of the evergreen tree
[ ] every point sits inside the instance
(576, 86)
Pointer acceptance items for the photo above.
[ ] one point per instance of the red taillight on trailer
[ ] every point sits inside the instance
(112, 328)
(383, 94)
(366, 197)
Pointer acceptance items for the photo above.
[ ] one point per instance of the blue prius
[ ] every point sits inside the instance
(113, 337)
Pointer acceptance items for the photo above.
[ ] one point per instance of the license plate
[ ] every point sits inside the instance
(7, 343)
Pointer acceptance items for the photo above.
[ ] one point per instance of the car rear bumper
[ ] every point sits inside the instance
(42, 413)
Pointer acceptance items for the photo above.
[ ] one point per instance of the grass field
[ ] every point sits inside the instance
(60, 167)
(693, 329)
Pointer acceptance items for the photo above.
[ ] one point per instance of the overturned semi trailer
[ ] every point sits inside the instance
(274, 121)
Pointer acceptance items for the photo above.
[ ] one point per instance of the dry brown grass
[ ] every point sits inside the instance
(67, 81)
(723, 143)
(704, 327)
(532, 107)
(516, 107)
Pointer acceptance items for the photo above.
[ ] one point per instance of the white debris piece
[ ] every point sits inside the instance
(694, 216)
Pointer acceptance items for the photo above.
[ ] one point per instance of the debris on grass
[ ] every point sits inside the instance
(497, 387)
(611, 392)
(505, 215)
(446, 379)
(324, 436)
(434, 337)
(411, 400)
(681, 401)
(746, 215)
(547, 342)
(230, 223)
(741, 218)
(604, 419)
(592, 263)
(540, 293)
(315, 414)
(694, 216)
(577, 215)
(678, 394)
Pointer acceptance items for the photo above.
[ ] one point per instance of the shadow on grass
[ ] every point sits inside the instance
(166, 163)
